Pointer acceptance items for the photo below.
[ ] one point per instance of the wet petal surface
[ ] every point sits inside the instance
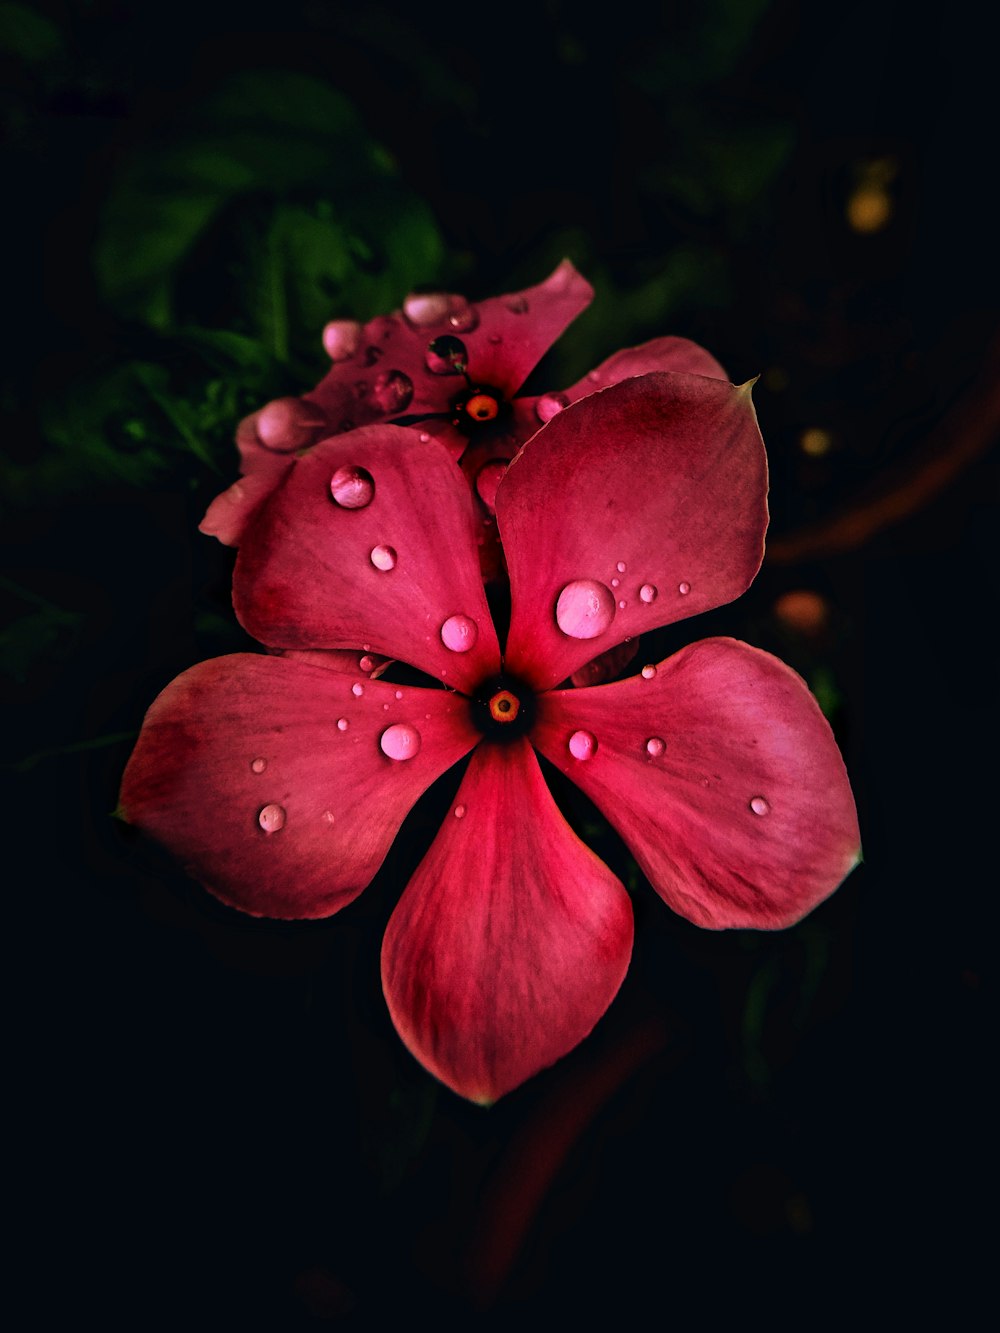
(722, 775)
(268, 778)
(652, 496)
(511, 938)
(678, 355)
(311, 573)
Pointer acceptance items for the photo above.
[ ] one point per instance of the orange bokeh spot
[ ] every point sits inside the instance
(504, 706)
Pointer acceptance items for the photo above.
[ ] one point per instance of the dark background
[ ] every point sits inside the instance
(221, 1127)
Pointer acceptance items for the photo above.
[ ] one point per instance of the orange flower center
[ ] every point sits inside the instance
(504, 706)
(482, 407)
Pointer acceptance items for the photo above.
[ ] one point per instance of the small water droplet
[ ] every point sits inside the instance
(342, 724)
(615, 583)
(760, 805)
(648, 672)
(366, 647)
(655, 746)
(392, 391)
(620, 566)
(517, 304)
(341, 339)
(594, 376)
(585, 609)
(459, 811)
(258, 765)
(463, 317)
(550, 405)
(383, 557)
(328, 816)
(352, 487)
(683, 589)
(400, 741)
(488, 478)
(399, 694)
(648, 593)
(495, 339)
(357, 689)
(446, 356)
(459, 633)
(367, 663)
(582, 745)
(271, 818)
(622, 605)
(423, 308)
(385, 708)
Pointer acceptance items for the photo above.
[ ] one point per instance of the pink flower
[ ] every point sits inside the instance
(450, 368)
(281, 782)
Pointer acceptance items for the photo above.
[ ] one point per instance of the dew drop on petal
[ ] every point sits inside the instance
(328, 816)
(367, 663)
(585, 609)
(615, 583)
(463, 316)
(342, 724)
(648, 593)
(341, 339)
(423, 308)
(760, 805)
(622, 605)
(648, 672)
(385, 708)
(272, 818)
(400, 741)
(392, 391)
(459, 633)
(258, 765)
(446, 356)
(550, 405)
(352, 487)
(495, 339)
(655, 746)
(459, 811)
(357, 689)
(620, 566)
(683, 589)
(488, 479)
(286, 424)
(517, 304)
(399, 694)
(384, 558)
(582, 745)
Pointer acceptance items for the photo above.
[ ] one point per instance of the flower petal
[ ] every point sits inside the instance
(511, 938)
(261, 471)
(650, 498)
(243, 770)
(722, 775)
(387, 570)
(678, 355)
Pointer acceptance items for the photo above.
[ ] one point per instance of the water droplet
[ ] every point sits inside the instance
(446, 356)
(648, 593)
(341, 339)
(423, 308)
(385, 708)
(399, 694)
(620, 566)
(400, 741)
(760, 805)
(495, 339)
(392, 391)
(342, 724)
(459, 811)
(582, 745)
(594, 376)
(367, 663)
(488, 478)
(622, 604)
(459, 633)
(683, 589)
(357, 689)
(463, 317)
(550, 405)
(585, 609)
(328, 816)
(648, 672)
(366, 647)
(384, 558)
(615, 583)
(352, 487)
(287, 424)
(517, 304)
(655, 746)
(258, 765)
(271, 818)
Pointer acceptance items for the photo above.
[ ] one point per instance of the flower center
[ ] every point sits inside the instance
(477, 407)
(503, 708)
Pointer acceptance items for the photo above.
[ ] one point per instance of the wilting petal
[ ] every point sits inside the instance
(269, 778)
(511, 938)
(722, 775)
(660, 483)
(392, 568)
(678, 355)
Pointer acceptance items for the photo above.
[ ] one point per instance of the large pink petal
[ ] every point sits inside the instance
(314, 574)
(722, 775)
(511, 939)
(636, 507)
(269, 779)
(678, 355)
(505, 337)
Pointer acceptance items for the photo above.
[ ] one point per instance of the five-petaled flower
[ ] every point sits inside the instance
(281, 780)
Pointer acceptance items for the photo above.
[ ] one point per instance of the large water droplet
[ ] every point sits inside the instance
(342, 724)
(585, 609)
(655, 746)
(516, 304)
(683, 589)
(384, 558)
(341, 339)
(459, 633)
(488, 478)
(550, 405)
(287, 424)
(760, 805)
(271, 818)
(463, 316)
(400, 741)
(582, 745)
(258, 765)
(424, 308)
(357, 689)
(459, 811)
(446, 356)
(392, 391)
(352, 487)
(648, 593)
(648, 672)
